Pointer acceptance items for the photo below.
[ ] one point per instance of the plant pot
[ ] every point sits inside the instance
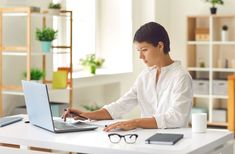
(213, 10)
(54, 11)
(46, 46)
(92, 69)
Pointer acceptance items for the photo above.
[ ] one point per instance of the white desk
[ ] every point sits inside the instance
(214, 141)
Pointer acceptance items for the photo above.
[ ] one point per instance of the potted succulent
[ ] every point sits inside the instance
(213, 3)
(46, 35)
(35, 74)
(91, 62)
(54, 8)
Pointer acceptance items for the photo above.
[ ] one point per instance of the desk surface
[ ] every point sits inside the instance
(97, 141)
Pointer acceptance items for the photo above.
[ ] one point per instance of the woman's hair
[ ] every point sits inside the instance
(153, 33)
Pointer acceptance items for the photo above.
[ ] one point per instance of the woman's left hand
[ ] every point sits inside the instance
(123, 125)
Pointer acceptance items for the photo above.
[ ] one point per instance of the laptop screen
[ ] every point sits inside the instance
(37, 104)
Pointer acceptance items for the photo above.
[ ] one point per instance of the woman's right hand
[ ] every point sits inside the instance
(74, 113)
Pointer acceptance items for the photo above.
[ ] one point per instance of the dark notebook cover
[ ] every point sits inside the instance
(164, 138)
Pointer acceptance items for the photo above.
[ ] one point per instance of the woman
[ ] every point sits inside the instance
(163, 90)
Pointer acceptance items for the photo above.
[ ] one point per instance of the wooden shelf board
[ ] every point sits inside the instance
(220, 96)
(223, 69)
(62, 47)
(223, 42)
(198, 42)
(218, 124)
(201, 96)
(198, 69)
(12, 93)
(15, 9)
(14, 48)
(14, 88)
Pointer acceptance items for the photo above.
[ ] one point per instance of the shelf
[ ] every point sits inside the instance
(217, 124)
(12, 93)
(21, 54)
(24, 49)
(223, 70)
(14, 48)
(62, 47)
(13, 88)
(201, 96)
(198, 42)
(211, 53)
(223, 42)
(220, 96)
(198, 69)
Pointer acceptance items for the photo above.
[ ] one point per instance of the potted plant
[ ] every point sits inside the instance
(213, 3)
(54, 8)
(35, 74)
(91, 107)
(46, 35)
(91, 62)
(224, 33)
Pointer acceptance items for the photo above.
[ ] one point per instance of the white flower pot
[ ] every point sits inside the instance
(224, 35)
(54, 11)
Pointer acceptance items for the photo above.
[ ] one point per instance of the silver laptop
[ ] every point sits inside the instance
(39, 110)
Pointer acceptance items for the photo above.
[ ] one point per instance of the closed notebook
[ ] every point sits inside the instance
(164, 138)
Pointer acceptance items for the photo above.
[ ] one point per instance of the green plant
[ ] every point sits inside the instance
(92, 107)
(46, 34)
(35, 74)
(54, 6)
(214, 2)
(92, 62)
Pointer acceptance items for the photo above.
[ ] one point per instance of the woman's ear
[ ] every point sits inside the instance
(161, 45)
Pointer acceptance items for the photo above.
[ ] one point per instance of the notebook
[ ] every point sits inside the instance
(9, 120)
(164, 138)
(39, 110)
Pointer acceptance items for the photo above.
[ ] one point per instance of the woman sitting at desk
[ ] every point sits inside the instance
(163, 90)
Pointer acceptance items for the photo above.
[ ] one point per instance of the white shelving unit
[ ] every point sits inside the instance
(207, 58)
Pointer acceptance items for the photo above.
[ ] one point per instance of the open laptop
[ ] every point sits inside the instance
(39, 110)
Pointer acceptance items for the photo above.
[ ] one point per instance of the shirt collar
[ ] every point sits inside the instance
(165, 68)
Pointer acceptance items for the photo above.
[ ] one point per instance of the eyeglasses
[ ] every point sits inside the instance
(128, 138)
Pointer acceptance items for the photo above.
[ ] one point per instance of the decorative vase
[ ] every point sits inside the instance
(213, 10)
(46, 46)
(224, 35)
(92, 69)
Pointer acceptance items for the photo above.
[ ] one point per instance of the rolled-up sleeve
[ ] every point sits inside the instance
(179, 112)
(124, 104)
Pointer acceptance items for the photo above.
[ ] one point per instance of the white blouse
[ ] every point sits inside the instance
(169, 99)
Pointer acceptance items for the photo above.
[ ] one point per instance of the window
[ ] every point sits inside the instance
(104, 28)
(84, 28)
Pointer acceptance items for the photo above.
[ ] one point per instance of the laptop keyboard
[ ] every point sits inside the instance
(63, 126)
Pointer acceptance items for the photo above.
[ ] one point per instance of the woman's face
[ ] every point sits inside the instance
(150, 54)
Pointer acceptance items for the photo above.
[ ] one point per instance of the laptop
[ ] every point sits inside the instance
(39, 110)
(4, 121)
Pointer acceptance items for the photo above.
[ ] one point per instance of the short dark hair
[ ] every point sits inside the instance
(152, 33)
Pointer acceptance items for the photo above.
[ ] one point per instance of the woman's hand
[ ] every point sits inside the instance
(74, 113)
(123, 125)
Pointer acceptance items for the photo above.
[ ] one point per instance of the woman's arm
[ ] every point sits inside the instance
(101, 114)
(132, 124)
